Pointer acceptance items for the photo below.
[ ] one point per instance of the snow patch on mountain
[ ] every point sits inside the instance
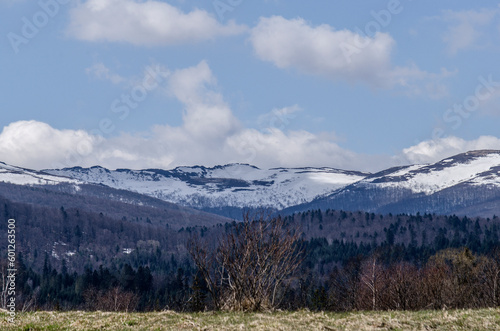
(246, 186)
(20, 176)
(235, 185)
(475, 169)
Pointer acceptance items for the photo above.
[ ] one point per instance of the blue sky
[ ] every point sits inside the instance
(358, 85)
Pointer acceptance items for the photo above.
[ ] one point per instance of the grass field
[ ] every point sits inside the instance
(485, 319)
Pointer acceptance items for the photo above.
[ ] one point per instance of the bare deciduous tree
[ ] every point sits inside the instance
(491, 280)
(371, 283)
(249, 264)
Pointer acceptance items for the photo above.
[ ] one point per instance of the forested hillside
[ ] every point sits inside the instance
(70, 258)
(113, 203)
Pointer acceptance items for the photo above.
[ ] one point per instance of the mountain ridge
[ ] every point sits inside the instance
(233, 185)
(456, 184)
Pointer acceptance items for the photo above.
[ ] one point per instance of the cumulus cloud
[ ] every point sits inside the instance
(144, 23)
(37, 145)
(338, 54)
(435, 150)
(321, 49)
(466, 28)
(206, 114)
(274, 147)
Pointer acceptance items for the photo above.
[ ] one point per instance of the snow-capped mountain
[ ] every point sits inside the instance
(30, 187)
(467, 183)
(21, 176)
(473, 168)
(234, 185)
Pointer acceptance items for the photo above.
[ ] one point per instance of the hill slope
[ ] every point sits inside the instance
(467, 183)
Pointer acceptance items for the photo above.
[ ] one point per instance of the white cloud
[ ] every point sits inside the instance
(318, 50)
(414, 82)
(100, 71)
(144, 23)
(274, 147)
(435, 150)
(466, 28)
(37, 145)
(206, 114)
(279, 117)
(337, 54)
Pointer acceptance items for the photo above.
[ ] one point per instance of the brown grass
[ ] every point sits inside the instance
(484, 319)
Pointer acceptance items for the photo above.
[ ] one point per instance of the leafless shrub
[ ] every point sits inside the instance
(401, 288)
(114, 299)
(459, 279)
(343, 292)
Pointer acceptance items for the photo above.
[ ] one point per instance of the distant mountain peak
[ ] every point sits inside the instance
(464, 157)
(464, 183)
(237, 185)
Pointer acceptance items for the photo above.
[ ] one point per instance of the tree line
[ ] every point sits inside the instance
(268, 263)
